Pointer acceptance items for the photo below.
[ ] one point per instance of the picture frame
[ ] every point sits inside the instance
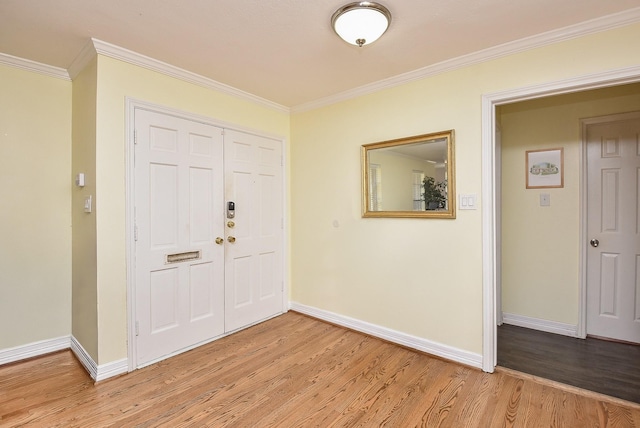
(544, 168)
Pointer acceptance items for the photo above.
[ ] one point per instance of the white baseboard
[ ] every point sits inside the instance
(424, 345)
(98, 372)
(541, 325)
(66, 342)
(114, 368)
(34, 349)
(84, 358)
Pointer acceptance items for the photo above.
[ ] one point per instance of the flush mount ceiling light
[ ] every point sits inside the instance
(361, 23)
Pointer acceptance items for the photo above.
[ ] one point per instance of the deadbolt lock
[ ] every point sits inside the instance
(230, 224)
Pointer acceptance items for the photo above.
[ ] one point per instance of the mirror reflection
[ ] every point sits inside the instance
(409, 177)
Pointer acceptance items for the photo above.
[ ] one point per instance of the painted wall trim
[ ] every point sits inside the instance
(34, 349)
(540, 324)
(424, 345)
(97, 372)
(114, 368)
(48, 346)
(82, 59)
(84, 358)
(489, 237)
(36, 67)
(604, 23)
(95, 46)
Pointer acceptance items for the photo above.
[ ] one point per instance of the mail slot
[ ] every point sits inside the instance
(183, 257)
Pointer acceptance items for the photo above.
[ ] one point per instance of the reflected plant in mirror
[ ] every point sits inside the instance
(409, 177)
(435, 194)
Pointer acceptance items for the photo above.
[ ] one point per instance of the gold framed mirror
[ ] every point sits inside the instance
(410, 177)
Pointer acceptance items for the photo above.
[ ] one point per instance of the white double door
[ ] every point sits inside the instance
(198, 273)
(613, 222)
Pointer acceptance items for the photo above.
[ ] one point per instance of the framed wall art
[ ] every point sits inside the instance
(545, 168)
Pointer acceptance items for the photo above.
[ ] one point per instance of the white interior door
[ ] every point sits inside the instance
(254, 259)
(613, 223)
(179, 283)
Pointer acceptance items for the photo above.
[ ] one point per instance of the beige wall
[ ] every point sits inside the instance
(35, 201)
(540, 245)
(84, 238)
(417, 276)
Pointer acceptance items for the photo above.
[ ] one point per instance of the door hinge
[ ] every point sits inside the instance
(135, 136)
(137, 328)
(135, 232)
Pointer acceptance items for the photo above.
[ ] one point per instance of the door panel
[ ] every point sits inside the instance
(163, 212)
(613, 293)
(201, 209)
(164, 298)
(608, 284)
(200, 295)
(254, 262)
(179, 285)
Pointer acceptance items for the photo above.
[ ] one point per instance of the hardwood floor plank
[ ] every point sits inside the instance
(321, 388)
(295, 371)
(348, 384)
(477, 401)
(408, 394)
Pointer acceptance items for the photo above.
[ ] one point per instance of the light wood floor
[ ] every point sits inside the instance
(294, 371)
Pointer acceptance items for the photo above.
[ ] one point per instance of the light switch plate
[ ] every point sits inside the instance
(467, 202)
(545, 199)
(88, 204)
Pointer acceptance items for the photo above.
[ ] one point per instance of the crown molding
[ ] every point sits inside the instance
(86, 54)
(95, 46)
(122, 54)
(36, 67)
(597, 25)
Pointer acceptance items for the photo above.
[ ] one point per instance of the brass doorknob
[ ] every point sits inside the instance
(231, 239)
(230, 224)
(219, 241)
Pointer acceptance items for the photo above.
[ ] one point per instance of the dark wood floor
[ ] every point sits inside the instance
(597, 365)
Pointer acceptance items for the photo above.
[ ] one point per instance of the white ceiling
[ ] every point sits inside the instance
(282, 50)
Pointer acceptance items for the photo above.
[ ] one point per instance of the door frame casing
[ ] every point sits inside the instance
(131, 105)
(490, 170)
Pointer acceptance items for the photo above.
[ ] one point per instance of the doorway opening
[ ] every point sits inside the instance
(491, 189)
(542, 242)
